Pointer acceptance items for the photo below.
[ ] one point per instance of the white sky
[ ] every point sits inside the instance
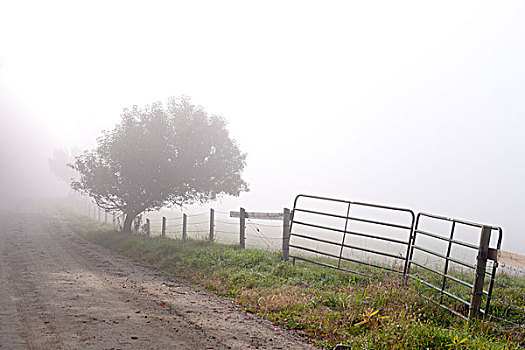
(415, 104)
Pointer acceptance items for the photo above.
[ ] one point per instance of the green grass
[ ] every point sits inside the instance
(325, 305)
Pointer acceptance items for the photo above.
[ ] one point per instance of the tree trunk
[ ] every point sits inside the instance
(128, 221)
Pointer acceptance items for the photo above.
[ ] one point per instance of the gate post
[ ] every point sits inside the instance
(477, 287)
(148, 227)
(286, 234)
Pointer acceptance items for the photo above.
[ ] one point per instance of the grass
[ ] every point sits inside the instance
(324, 305)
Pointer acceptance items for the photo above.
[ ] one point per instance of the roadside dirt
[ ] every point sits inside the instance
(59, 291)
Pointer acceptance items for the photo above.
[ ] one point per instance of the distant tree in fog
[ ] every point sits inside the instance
(58, 164)
(161, 155)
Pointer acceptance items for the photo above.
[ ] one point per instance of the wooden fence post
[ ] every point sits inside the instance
(242, 228)
(138, 221)
(184, 221)
(477, 287)
(286, 234)
(163, 227)
(148, 227)
(212, 224)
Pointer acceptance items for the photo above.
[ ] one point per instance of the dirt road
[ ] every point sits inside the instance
(58, 291)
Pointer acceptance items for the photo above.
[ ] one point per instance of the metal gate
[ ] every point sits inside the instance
(332, 232)
(440, 248)
(430, 250)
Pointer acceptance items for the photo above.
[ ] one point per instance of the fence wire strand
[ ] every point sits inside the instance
(262, 235)
(227, 222)
(198, 223)
(228, 232)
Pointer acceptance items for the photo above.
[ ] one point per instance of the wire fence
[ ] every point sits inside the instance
(217, 225)
(449, 284)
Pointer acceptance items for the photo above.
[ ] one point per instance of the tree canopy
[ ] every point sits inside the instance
(159, 155)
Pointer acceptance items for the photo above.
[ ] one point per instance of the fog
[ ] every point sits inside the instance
(407, 104)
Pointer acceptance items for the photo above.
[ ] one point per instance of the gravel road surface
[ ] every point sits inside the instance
(59, 291)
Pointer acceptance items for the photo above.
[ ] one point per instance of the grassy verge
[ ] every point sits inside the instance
(327, 306)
